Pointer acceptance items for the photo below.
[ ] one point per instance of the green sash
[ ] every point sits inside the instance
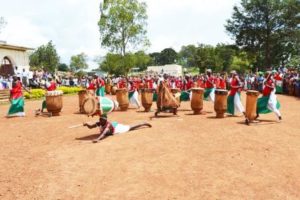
(17, 105)
(130, 94)
(154, 97)
(207, 92)
(262, 105)
(184, 96)
(230, 105)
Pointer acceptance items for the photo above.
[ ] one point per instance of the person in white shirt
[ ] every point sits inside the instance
(24, 77)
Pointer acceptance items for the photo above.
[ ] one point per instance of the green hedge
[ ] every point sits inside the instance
(69, 90)
(35, 94)
(39, 93)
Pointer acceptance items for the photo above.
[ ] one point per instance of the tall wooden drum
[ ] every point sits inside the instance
(54, 102)
(147, 98)
(122, 98)
(82, 95)
(114, 90)
(220, 102)
(197, 100)
(251, 102)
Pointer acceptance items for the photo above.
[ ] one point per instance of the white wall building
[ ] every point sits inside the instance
(173, 70)
(12, 56)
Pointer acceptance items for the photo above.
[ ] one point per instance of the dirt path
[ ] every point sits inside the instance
(184, 157)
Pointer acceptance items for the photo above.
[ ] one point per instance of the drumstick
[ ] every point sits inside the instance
(77, 125)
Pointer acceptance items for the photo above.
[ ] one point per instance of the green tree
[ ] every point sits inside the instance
(45, 57)
(81, 73)
(225, 54)
(240, 63)
(63, 67)
(294, 61)
(78, 62)
(122, 25)
(154, 58)
(267, 28)
(117, 64)
(206, 58)
(187, 56)
(168, 56)
(142, 60)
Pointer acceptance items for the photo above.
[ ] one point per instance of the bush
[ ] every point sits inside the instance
(69, 90)
(40, 93)
(35, 94)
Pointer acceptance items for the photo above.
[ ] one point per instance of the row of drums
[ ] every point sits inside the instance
(220, 104)
(88, 103)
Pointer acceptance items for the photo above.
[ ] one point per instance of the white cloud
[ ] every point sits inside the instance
(72, 24)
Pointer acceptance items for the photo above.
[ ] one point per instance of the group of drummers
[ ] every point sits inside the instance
(209, 82)
(212, 84)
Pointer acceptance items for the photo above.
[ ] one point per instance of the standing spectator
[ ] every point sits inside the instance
(24, 78)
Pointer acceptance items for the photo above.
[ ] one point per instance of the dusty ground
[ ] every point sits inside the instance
(185, 157)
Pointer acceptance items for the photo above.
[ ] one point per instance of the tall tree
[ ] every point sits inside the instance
(117, 64)
(78, 62)
(168, 56)
(187, 55)
(45, 57)
(155, 58)
(122, 25)
(240, 62)
(262, 26)
(225, 55)
(142, 60)
(63, 67)
(206, 57)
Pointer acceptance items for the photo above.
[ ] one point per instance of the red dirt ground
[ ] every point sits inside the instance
(184, 157)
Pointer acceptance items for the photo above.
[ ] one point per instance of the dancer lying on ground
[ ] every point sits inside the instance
(112, 128)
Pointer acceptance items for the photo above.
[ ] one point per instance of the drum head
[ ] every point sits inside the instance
(90, 106)
(197, 89)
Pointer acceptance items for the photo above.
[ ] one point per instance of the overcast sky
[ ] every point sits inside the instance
(72, 24)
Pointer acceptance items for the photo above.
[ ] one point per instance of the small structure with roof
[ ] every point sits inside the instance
(13, 59)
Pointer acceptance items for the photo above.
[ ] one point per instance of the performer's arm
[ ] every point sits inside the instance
(26, 89)
(102, 135)
(90, 126)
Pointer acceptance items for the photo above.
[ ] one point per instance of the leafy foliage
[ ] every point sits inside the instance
(45, 57)
(142, 60)
(35, 94)
(269, 29)
(78, 62)
(122, 25)
(40, 93)
(168, 56)
(63, 67)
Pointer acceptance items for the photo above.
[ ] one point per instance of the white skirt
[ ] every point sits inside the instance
(120, 128)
